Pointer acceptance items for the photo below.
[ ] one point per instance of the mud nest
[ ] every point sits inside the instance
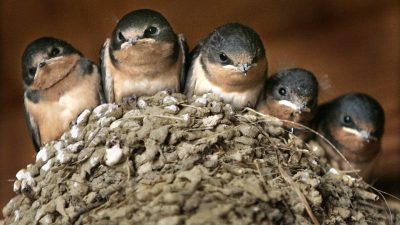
(170, 160)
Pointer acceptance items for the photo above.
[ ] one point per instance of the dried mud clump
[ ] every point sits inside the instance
(170, 160)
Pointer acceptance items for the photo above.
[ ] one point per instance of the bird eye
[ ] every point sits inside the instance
(223, 57)
(32, 71)
(282, 91)
(150, 31)
(121, 37)
(54, 52)
(347, 120)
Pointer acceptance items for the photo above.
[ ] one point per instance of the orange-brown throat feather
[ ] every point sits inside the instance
(160, 55)
(274, 108)
(354, 148)
(142, 77)
(232, 80)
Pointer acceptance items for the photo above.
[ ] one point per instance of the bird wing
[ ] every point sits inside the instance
(320, 115)
(263, 95)
(33, 130)
(89, 68)
(183, 46)
(100, 90)
(190, 82)
(106, 78)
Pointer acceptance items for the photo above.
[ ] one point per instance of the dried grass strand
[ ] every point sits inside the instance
(303, 199)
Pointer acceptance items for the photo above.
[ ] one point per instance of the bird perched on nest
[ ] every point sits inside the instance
(230, 62)
(59, 83)
(354, 124)
(291, 94)
(143, 56)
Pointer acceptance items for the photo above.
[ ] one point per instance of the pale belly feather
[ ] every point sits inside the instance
(143, 86)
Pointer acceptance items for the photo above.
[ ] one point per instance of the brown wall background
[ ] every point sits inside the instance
(349, 45)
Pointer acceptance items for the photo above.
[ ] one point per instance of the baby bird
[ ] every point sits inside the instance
(143, 56)
(230, 62)
(290, 94)
(354, 124)
(59, 83)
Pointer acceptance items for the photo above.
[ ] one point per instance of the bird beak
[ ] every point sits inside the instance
(130, 42)
(306, 109)
(367, 136)
(243, 68)
(295, 107)
(50, 61)
(39, 66)
(364, 135)
(133, 41)
(46, 62)
(42, 64)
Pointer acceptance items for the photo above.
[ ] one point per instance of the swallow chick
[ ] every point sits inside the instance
(59, 83)
(142, 57)
(354, 124)
(230, 62)
(290, 94)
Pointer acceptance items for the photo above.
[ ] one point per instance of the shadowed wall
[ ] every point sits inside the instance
(350, 46)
